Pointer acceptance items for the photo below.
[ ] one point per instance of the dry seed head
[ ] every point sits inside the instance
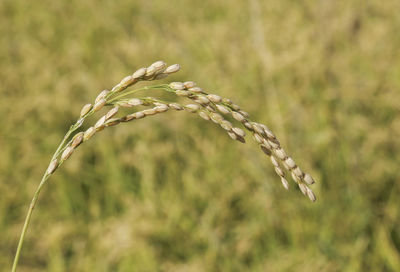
(225, 124)
(89, 133)
(258, 138)
(112, 122)
(112, 112)
(172, 69)
(135, 102)
(78, 138)
(232, 135)
(202, 100)
(189, 84)
(67, 153)
(266, 150)
(196, 90)
(159, 65)
(237, 116)
(99, 105)
(257, 128)
(285, 183)
(127, 81)
(235, 107)
(308, 179)
(248, 125)
(240, 139)
(274, 161)
(176, 106)
(266, 143)
(210, 108)
(280, 153)
(161, 76)
(139, 73)
(245, 114)
(227, 100)
(182, 93)
(295, 178)
(240, 132)
(129, 117)
(204, 115)
(279, 171)
(222, 109)
(102, 95)
(297, 171)
(311, 195)
(124, 104)
(150, 71)
(161, 108)
(139, 114)
(85, 109)
(216, 117)
(52, 167)
(268, 132)
(290, 163)
(214, 98)
(192, 108)
(177, 86)
(274, 144)
(148, 112)
(303, 188)
(100, 122)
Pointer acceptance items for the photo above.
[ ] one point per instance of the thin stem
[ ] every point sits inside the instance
(39, 188)
(27, 220)
(162, 86)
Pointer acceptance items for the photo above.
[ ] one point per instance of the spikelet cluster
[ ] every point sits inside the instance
(210, 107)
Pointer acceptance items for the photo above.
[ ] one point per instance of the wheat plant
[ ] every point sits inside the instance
(210, 107)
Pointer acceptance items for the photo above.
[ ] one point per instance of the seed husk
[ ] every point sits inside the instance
(192, 107)
(52, 167)
(78, 138)
(99, 105)
(172, 69)
(139, 73)
(111, 113)
(67, 153)
(214, 98)
(89, 133)
(177, 86)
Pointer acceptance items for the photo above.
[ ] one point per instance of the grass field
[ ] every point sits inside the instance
(173, 192)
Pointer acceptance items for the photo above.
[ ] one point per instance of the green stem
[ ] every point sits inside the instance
(27, 220)
(39, 188)
(162, 86)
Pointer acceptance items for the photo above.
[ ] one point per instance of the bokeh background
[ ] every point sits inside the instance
(173, 192)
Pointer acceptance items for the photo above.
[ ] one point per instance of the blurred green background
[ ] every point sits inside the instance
(173, 192)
